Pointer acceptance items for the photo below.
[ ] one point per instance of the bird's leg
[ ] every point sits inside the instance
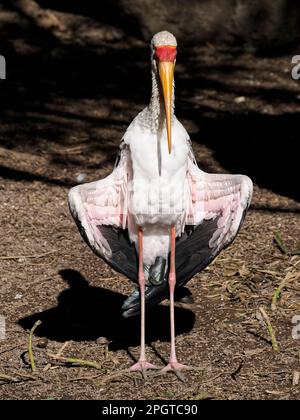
(173, 364)
(142, 365)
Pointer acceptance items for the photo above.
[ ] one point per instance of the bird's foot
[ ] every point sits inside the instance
(177, 369)
(142, 366)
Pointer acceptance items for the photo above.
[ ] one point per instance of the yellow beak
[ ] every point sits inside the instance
(166, 74)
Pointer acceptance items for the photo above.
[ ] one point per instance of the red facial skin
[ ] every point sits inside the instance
(166, 53)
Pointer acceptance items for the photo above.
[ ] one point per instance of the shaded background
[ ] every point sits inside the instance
(234, 66)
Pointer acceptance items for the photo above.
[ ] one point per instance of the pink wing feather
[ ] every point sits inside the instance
(101, 203)
(222, 196)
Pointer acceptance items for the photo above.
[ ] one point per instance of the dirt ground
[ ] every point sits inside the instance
(63, 114)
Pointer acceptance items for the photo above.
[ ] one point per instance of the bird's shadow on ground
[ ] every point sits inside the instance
(86, 313)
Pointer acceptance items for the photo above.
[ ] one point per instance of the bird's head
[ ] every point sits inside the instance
(164, 50)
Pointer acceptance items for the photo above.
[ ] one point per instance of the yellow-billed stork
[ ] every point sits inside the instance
(157, 203)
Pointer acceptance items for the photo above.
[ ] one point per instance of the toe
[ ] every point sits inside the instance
(177, 369)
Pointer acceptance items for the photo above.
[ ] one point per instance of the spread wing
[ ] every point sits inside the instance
(216, 206)
(222, 196)
(100, 211)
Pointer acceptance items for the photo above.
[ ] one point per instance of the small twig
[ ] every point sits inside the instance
(270, 329)
(25, 376)
(47, 367)
(74, 361)
(8, 378)
(63, 347)
(283, 247)
(290, 276)
(23, 257)
(30, 350)
(58, 354)
(277, 294)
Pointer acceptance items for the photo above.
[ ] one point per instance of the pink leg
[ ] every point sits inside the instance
(173, 364)
(142, 365)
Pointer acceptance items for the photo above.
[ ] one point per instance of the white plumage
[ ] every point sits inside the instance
(134, 194)
(158, 194)
(154, 192)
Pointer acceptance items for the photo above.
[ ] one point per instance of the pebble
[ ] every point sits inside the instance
(42, 343)
(102, 341)
(240, 100)
(80, 177)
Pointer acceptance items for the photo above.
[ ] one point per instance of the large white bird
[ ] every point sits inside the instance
(157, 204)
